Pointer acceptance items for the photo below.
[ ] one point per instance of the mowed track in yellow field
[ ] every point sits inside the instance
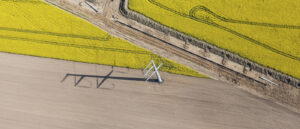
(33, 27)
(267, 32)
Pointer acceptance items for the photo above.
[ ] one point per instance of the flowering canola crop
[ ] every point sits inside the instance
(264, 31)
(33, 27)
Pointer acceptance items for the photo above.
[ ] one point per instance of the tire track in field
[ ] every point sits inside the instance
(205, 9)
(74, 45)
(108, 37)
(24, 1)
(192, 16)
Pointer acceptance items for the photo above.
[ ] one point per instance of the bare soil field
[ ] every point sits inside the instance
(33, 96)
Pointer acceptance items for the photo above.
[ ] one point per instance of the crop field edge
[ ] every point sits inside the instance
(202, 40)
(104, 38)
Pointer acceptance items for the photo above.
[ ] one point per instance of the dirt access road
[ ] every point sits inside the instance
(32, 96)
(110, 20)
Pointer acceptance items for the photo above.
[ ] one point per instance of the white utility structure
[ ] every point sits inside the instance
(267, 80)
(153, 66)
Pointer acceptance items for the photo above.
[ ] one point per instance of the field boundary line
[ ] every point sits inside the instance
(140, 18)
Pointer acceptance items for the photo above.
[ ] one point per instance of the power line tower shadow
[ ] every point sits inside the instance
(104, 78)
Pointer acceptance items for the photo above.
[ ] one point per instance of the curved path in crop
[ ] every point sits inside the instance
(192, 16)
(205, 9)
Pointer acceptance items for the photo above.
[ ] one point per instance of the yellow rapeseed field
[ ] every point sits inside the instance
(33, 27)
(264, 31)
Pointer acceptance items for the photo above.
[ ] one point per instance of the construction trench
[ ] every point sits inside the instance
(114, 17)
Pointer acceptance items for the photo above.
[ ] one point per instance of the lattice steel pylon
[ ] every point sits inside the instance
(155, 71)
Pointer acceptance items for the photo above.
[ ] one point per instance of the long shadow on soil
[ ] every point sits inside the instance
(82, 76)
